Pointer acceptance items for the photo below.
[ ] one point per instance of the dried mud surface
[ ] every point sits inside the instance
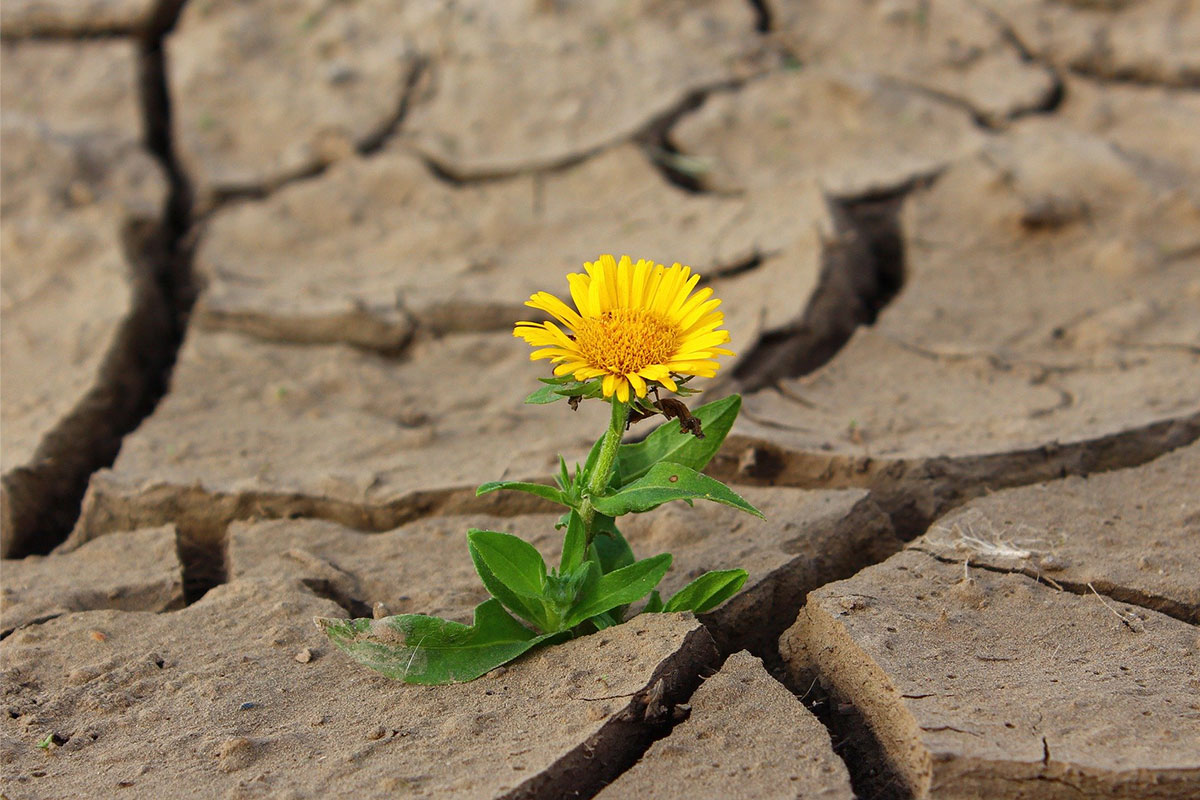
(260, 266)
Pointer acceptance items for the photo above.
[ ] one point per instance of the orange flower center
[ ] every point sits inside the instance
(624, 340)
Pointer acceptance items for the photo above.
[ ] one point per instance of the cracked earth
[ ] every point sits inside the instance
(260, 266)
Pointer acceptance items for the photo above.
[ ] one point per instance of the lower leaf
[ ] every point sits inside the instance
(416, 648)
(708, 591)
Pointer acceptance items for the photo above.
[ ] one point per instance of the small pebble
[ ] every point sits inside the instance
(97, 635)
(497, 672)
(304, 656)
(377, 733)
(247, 706)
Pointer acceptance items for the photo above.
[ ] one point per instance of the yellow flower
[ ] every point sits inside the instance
(636, 323)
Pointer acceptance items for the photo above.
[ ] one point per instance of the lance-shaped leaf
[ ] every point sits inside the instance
(513, 572)
(666, 443)
(543, 395)
(540, 489)
(654, 604)
(618, 588)
(665, 482)
(612, 550)
(574, 544)
(561, 388)
(415, 648)
(707, 592)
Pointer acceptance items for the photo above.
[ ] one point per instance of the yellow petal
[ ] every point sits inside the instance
(691, 305)
(623, 390)
(609, 384)
(624, 281)
(638, 291)
(556, 308)
(639, 385)
(579, 293)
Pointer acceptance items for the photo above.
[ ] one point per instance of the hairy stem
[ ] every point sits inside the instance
(598, 480)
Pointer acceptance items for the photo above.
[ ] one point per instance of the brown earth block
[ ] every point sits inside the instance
(807, 539)
(855, 133)
(518, 86)
(746, 738)
(995, 685)
(1050, 298)
(1133, 534)
(269, 90)
(135, 571)
(239, 695)
(1151, 41)
(378, 250)
(952, 48)
(22, 18)
(84, 324)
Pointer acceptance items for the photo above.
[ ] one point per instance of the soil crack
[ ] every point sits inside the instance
(1112, 591)
(863, 269)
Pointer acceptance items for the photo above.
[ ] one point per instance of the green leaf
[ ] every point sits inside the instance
(540, 489)
(666, 443)
(543, 395)
(708, 591)
(619, 587)
(654, 604)
(564, 477)
(496, 554)
(590, 463)
(561, 388)
(574, 544)
(510, 558)
(416, 648)
(665, 482)
(612, 550)
(605, 620)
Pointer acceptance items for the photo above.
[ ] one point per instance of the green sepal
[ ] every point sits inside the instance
(416, 648)
(511, 575)
(540, 489)
(617, 588)
(707, 592)
(666, 443)
(665, 482)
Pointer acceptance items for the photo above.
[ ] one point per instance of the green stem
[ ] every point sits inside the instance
(602, 472)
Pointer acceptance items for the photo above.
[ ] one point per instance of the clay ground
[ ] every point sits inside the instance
(261, 260)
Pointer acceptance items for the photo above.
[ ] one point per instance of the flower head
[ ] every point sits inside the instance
(635, 324)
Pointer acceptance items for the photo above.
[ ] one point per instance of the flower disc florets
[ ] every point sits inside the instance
(634, 324)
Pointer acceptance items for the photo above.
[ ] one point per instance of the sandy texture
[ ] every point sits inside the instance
(1051, 295)
(520, 85)
(135, 571)
(1153, 124)
(270, 90)
(747, 737)
(81, 315)
(1133, 534)
(281, 430)
(951, 48)
(379, 248)
(861, 134)
(1152, 41)
(213, 697)
(22, 18)
(997, 686)
(422, 567)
